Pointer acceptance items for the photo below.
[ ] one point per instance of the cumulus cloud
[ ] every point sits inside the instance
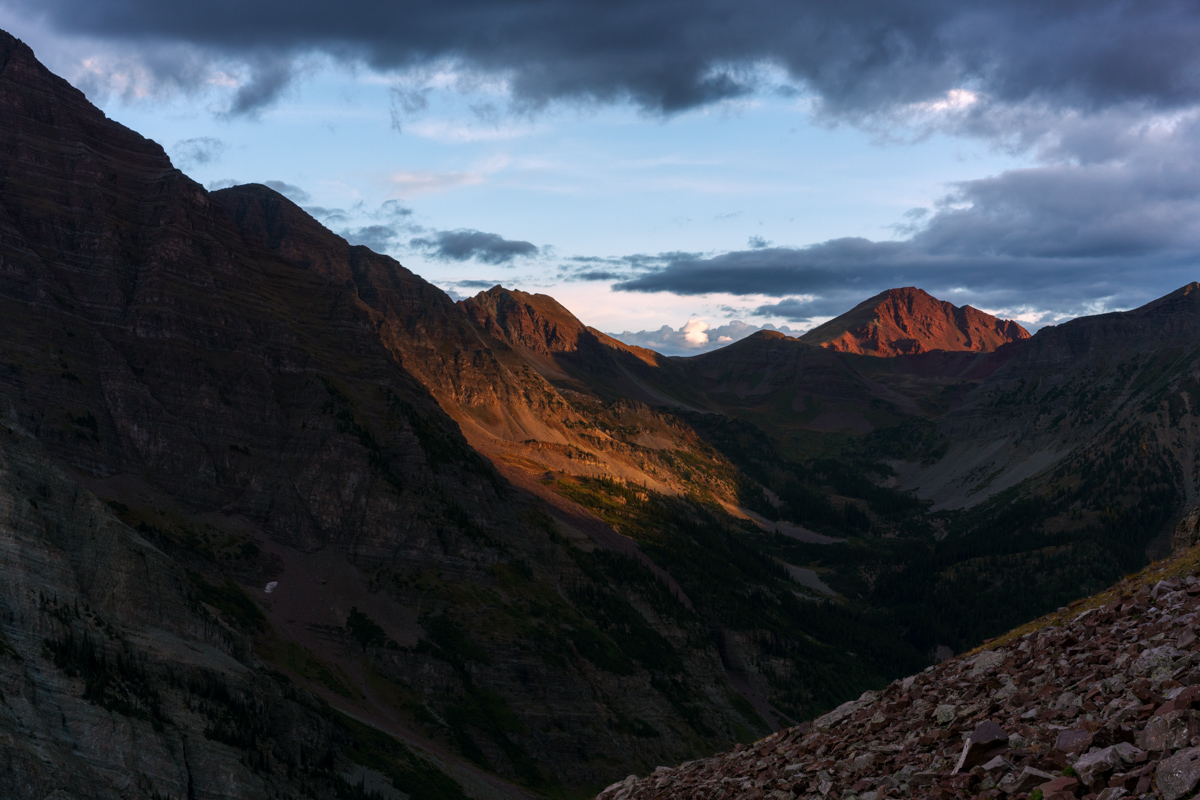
(694, 337)
(466, 244)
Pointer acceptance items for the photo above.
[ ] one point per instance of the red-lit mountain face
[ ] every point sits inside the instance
(909, 321)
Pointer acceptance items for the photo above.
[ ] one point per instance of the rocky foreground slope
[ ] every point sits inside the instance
(1101, 700)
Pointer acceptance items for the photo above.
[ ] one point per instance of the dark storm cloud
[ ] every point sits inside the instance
(463, 245)
(858, 56)
(270, 76)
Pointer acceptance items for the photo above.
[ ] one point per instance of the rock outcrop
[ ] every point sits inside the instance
(1103, 702)
(909, 321)
(1187, 532)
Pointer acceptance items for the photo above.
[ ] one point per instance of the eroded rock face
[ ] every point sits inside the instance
(1134, 664)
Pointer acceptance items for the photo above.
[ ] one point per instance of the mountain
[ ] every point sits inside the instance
(1116, 387)
(276, 507)
(1097, 701)
(909, 321)
(280, 510)
(263, 405)
(566, 352)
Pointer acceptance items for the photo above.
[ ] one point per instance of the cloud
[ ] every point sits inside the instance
(423, 181)
(197, 152)
(1117, 225)
(694, 337)
(328, 216)
(377, 237)
(465, 244)
(293, 193)
(270, 75)
(930, 57)
(392, 210)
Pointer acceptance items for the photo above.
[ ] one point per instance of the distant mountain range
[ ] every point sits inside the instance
(280, 518)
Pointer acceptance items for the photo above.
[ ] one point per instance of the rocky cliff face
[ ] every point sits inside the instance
(117, 679)
(1101, 701)
(909, 321)
(267, 406)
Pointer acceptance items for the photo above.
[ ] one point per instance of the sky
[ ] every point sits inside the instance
(683, 173)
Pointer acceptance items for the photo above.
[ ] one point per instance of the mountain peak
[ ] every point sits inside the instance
(537, 322)
(907, 321)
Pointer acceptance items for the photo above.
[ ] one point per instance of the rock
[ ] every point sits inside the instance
(1178, 775)
(1092, 767)
(997, 764)
(1029, 778)
(619, 790)
(1155, 659)
(1061, 786)
(1113, 793)
(1127, 752)
(1075, 741)
(985, 663)
(984, 742)
(944, 714)
(1187, 532)
(843, 711)
(1169, 731)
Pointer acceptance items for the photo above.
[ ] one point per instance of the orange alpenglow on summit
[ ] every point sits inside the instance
(909, 321)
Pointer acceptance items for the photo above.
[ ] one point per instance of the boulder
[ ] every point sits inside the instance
(986, 741)
(1169, 731)
(1028, 780)
(1092, 767)
(1076, 741)
(1178, 775)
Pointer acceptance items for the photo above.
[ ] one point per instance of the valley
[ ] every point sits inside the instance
(279, 518)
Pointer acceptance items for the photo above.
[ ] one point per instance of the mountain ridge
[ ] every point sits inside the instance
(908, 321)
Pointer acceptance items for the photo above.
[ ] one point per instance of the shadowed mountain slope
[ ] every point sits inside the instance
(375, 507)
(265, 404)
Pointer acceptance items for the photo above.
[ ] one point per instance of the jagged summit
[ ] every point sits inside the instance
(537, 322)
(908, 321)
